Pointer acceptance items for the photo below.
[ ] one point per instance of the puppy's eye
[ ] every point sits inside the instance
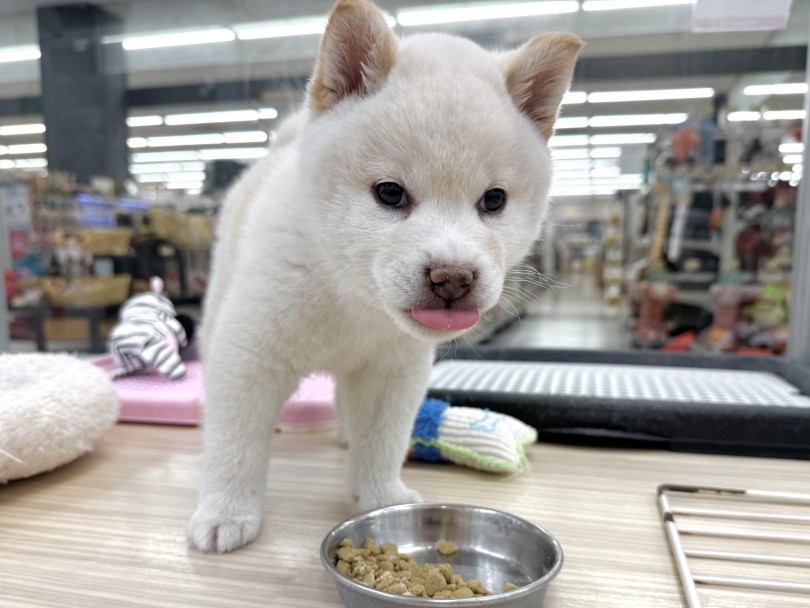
(391, 194)
(492, 201)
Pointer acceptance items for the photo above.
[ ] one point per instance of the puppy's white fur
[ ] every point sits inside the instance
(312, 273)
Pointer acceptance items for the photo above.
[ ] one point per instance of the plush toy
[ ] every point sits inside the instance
(148, 334)
(477, 438)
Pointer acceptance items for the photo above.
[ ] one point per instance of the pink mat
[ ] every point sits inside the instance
(152, 398)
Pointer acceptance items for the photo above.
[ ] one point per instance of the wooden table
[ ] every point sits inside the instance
(109, 529)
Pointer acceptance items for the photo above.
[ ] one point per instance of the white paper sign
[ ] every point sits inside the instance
(739, 15)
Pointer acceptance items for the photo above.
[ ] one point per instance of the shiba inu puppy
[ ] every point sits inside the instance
(382, 223)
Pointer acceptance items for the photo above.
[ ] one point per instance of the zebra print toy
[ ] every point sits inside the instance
(148, 334)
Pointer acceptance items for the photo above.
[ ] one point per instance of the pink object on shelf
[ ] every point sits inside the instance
(153, 398)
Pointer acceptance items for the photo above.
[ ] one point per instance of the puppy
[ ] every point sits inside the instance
(382, 222)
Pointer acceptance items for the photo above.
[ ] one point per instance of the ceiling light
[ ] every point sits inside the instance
(27, 149)
(233, 153)
(606, 172)
(280, 29)
(169, 39)
(198, 139)
(787, 88)
(166, 167)
(6, 164)
(450, 13)
(574, 153)
(743, 116)
(31, 129)
(30, 163)
(3, 150)
(572, 122)
(797, 168)
(792, 159)
(267, 113)
(572, 165)
(784, 115)
(574, 97)
(609, 5)
(9, 54)
(617, 139)
(626, 120)
(560, 141)
(649, 95)
(791, 148)
(199, 118)
(606, 152)
(144, 121)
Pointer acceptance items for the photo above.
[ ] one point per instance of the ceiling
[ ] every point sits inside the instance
(638, 49)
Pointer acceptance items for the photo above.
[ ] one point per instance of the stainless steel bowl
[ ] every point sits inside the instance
(494, 546)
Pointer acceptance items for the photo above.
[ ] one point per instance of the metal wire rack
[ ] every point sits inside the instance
(752, 521)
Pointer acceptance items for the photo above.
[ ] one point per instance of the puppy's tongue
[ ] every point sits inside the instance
(445, 319)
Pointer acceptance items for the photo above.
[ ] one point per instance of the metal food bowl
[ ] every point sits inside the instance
(493, 546)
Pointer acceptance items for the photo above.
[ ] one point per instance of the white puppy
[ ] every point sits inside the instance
(382, 223)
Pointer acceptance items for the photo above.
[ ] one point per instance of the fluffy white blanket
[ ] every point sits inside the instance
(53, 409)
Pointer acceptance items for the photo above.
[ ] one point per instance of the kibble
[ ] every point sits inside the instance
(384, 568)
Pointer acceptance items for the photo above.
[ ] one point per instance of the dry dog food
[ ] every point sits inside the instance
(386, 569)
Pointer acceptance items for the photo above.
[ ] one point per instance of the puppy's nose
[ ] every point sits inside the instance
(450, 282)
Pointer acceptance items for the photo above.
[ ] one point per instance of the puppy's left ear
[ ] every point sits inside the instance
(539, 73)
(357, 52)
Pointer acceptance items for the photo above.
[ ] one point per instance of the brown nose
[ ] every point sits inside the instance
(450, 282)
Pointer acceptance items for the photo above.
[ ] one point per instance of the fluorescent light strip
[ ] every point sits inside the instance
(610, 5)
(26, 149)
(280, 29)
(606, 152)
(204, 154)
(560, 141)
(784, 115)
(10, 54)
(450, 13)
(30, 163)
(650, 95)
(198, 118)
(144, 121)
(198, 139)
(792, 159)
(170, 39)
(617, 139)
(166, 167)
(791, 148)
(627, 120)
(574, 97)
(743, 116)
(30, 129)
(799, 168)
(788, 88)
(572, 122)
(580, 153)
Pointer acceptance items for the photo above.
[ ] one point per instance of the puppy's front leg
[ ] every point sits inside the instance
(381, 402)
(244, 394)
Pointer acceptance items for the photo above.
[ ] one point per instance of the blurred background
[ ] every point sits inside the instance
(678, 155)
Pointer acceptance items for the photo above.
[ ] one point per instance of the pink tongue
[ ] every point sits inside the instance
(444, 319)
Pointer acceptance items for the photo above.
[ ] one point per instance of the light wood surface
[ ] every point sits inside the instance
(109, 529)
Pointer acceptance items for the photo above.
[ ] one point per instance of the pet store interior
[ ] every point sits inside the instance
(677, 238)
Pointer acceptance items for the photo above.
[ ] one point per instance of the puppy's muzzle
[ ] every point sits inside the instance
(450, 283)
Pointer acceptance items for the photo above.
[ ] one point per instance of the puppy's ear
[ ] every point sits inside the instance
(357, 52)
(539, 73)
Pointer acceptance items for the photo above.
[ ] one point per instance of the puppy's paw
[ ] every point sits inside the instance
(383, 497)
(211, 531)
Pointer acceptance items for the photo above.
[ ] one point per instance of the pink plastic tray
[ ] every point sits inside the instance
(152, 398)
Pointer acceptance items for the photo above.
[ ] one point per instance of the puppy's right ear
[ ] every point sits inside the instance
(539, 73)
(357, 52)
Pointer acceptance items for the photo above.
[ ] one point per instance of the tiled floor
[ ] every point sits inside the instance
(569, 317)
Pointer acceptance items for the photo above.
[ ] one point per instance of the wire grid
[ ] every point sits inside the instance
(634, 382)
(750, 519)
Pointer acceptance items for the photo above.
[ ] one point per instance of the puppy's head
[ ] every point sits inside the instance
(428, 164)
